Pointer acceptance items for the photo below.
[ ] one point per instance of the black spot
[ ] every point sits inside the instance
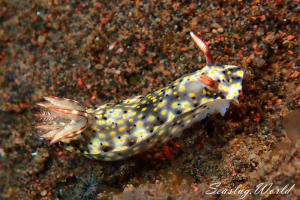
(194, 98)
(131, 141)
(105, 118)
(236, 78)
(151, 130)
(235, 69)
(75, 144)
(106, 149)
(143, 117)
(160, 100)
(178, 112)
(196, 104)
(119, 137)
(125, 111)
(161, 121)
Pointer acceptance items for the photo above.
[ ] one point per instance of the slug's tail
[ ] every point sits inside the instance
(62, 119)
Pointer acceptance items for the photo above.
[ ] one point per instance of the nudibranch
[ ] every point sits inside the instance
(117, 131)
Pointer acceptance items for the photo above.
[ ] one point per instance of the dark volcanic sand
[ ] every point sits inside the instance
(106, 51)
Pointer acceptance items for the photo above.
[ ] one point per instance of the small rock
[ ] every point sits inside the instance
(297, 64)
(99, 66)
(55, 25)
(260, 32)
(42, 155)
(43, 193)
(2, 152)
(41, 39)
(291, 124)
(271, 37)
(220, 30)
(133, 80)
(258, 62)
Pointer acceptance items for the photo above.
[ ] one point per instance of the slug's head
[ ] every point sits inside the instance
(224, 81)
(62, 119)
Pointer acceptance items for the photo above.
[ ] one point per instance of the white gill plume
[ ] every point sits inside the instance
(62, 119)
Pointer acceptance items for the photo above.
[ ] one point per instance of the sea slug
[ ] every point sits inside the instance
(116, 131)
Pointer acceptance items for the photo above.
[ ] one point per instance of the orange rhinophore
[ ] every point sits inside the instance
(208, 81)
